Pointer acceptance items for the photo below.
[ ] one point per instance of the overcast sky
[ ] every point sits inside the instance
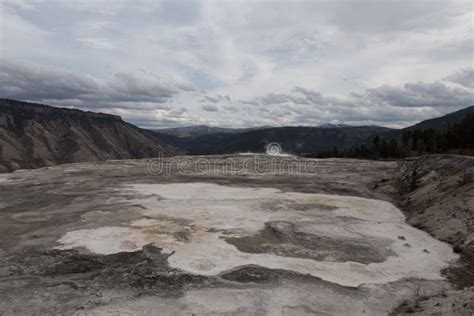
(241, 63)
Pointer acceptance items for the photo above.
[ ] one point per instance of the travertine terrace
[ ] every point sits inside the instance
(218, 234)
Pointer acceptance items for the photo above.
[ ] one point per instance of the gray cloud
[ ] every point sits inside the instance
(464, 77)
(217, 99)
(210, 99)
(384, 105)
(210, 108)
(313, 97)
(32, 82)
(421, 94)
(27, 81)
(277, 98)
(231, 109)
(196, 53)
(126, 87)
(248, 102)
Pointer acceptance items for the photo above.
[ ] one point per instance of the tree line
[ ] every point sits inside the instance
(457, 139)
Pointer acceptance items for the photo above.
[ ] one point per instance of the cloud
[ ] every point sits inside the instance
(210, 99)
(35, 82)
(384, 105)
(421, 94)
(231, 108)
(277, 98)
(216, 99)
(464, 77)
(96, 42)
(128, 87)
(288, 63)
(210, 108)
(314, 97)
(28, 81)
(150, 102)
(418, 94)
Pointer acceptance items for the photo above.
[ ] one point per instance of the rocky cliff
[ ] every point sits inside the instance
(35, 135)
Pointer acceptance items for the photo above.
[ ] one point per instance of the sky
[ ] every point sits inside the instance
(235, 63)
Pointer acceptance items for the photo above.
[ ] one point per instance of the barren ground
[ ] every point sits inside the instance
(237, 235)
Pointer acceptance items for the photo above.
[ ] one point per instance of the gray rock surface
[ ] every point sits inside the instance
(38, 207)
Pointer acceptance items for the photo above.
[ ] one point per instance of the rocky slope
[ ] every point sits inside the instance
(436, 193)
(35, 135)
(437, 196)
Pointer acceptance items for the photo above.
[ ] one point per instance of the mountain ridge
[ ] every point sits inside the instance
(198, 130)
(303, 139)
(37, 135)
(295, 140)
(442, 123)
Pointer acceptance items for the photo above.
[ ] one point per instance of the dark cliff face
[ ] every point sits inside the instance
(35, 135)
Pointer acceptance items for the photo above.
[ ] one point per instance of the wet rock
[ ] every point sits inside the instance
(252, 274)
(75, 265)
(280, 238)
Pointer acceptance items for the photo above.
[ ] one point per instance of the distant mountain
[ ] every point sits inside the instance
(441, 123)
(36, 135)
(329, 125)
(299, 139)
(296, 140)
(444, 122)
(199, 130)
